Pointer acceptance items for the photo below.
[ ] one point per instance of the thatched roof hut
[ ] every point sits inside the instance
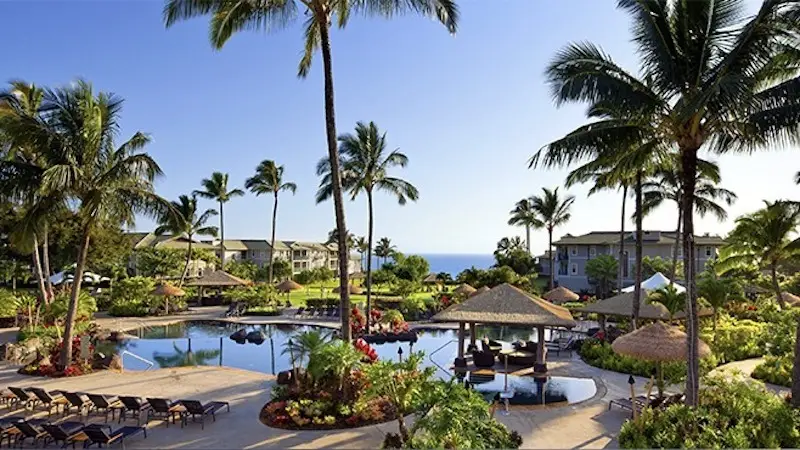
(286, 286)
(560, 295)
(357, 276)
(480, 290)
(657, 342)
(506, 304)
(622, 305)
(167, 290)
(351, 288)
(464, 289)
(218, 278)
(430, 279)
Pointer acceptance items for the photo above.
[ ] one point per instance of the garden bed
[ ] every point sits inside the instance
(323, 414)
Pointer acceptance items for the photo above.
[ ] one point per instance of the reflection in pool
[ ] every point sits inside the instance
(535, 390)
(207, 343)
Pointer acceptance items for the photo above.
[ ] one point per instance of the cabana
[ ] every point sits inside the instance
(506, 305)
(561, 295)
(464, 289)
(657, 281)
(622, 305)
(216, 279)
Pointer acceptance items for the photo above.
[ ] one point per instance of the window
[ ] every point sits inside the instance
(592, 250)
(709, 251)
(573, 251)
(573, 269)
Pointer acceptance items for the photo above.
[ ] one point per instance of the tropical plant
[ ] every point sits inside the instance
(552, 211)
(718, 292)
(711, 76)
(182, 219)
(365, 163)
(159, 262)
(340, 359)
(601, 271)
(524, 215)
(507, 245)
(444, 278)
(181, 358)
(362, 247)
(384, 249)
(216, 188)
(231, 16)
(669, 297)
(471, 276)
(269, 180)
(244, 269)
(302, 345)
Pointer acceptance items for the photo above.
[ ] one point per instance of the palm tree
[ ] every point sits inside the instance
(444, 278)
(665, 185)
(365, 164)
(216, 188)
(717, 292)
(333, 238)
(524, 215)
(711, 76)
(182, 358)
(669, 297)
(269, 180)
(182, 220)
(508, 245)
(106, 183)
(362, 246)
(384, 248)
(552, 211)
(602, 271)
(230, 16)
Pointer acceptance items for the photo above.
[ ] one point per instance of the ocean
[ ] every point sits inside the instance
(452, 263)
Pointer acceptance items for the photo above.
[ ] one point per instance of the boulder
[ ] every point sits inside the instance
(284, 378)
(256, 337)
(25, 352)
(118, 336)
(239, 335)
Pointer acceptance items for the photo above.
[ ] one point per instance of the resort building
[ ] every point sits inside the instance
(151, 240)
(573, 252)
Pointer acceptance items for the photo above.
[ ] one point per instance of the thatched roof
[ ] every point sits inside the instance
(790, 299)
(430, 279)
(218, 278)
(506, 304)
(622, 305)
(657, 342)
(357, 276)
(464, 289)
(167, 290)
(351, 288)
(287, 286)
(480, 290)
(561, 295)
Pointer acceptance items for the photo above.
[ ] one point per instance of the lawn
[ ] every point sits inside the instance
(298, 298)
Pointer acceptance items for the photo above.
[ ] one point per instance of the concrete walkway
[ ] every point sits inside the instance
(745, 368)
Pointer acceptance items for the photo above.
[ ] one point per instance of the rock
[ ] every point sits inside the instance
(256, 337)
(115, 363)
(284, 378)
(25, 352)
(239, 335)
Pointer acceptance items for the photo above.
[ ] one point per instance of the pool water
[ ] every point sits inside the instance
(208, 343)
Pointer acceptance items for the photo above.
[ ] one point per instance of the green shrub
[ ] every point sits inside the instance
(736, 340)
(57, 310)
(775, 370)
(412, 307)
(131, 297)
(731, 414)
(252, 296)
(128, 309)
(392, 316)
(9, 303)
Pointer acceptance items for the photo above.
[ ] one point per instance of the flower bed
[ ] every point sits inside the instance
(324, 413)
(45, 367)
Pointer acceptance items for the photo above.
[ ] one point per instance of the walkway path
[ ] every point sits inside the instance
(745, 368)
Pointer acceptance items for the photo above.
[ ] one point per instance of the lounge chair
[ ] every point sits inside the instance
(49, 400)
(625, 403)
(311, 310)
(105, 404)
(196, 409)
(162, 408)
(300, 311)
(23, 397)
(7, 429)
(76, 400)
(7, 397)
(29, 429)
(64, 433)
(133, 405)
(100, 436)
(483, 358)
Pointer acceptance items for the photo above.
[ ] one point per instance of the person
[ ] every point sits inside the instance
(495, 401)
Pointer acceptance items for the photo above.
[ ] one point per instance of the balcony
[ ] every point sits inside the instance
(300, 255)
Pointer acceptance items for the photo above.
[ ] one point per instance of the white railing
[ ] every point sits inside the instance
(149, 363)
(430, 357)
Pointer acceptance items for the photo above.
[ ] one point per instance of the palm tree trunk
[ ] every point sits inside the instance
(637, 288)
(46, 264)
(369, 257)
(72, 311)
(401, 424)
(552, 257)
(186, 265)
(674, 268)
(689, 172)
(221, 237)
(622, 239)
(272, 244)
(528, 237)
(37, 267)
(336, 182)
(776, 287)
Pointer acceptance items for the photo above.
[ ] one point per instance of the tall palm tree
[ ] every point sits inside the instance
(333, 238)
(362, 246)
(665, 185)
(711, 77)
(365, 166)
(269, 180)
(523, 215)
(216, 188)
(230, 16)
(507, 245)
(105, 183)
(552, 211)
(181, 219)
(384, 248)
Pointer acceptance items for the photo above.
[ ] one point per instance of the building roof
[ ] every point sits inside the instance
(506, 304)
(151, 240)
(650, 237)
(218, 278)
(317, 246)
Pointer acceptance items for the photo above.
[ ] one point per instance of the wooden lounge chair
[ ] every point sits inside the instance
(300, 311)
(29, 429)
(133, 405)
(49, 400)
(311, 310)
(100, 436)
(105, 404)
(64, 433)
(196, 409)
(331, 309)
(162, 408)
(76, 400)
(23, 397)
(625, 403)
(6, 426)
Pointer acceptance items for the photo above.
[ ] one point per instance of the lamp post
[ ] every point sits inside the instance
(400, 353)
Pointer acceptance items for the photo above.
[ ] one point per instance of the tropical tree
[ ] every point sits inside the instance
(384, 249)
(602, 270)
(269, 180)
(444, 278)
(552, 211)
(711, 77)
(508, 245)
(669, 297)
(104, 182)
(717, 292)
(365, 163)
(180, 358)
(362, 246)
(333, 238)
(665, 185)
(216, 188)
(524, 215)
(230, 16)
(181, 219)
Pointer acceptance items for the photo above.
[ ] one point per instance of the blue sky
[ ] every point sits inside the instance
(468, 110)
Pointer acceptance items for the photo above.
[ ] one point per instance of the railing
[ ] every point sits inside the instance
(430, 357)
(149, 363)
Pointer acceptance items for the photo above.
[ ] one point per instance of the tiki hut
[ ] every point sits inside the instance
(216, 279)
(561, 295)
(622, 305)
(352, 289)
(506, 305)
(657, 342)
(464, 289)
(430, 279)
(167, 291)
(480, 290)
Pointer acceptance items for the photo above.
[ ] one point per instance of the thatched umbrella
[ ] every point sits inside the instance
(167, 291)
(480, 290)
(464, 289)
(657, 342)
(561, 295)
(286, 287)
(430, 279)
(622, 305)
(350, 288)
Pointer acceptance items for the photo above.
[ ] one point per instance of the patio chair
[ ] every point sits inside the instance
(132, 405)
(22, 397)
(311, 310)
(100, 436)
(300, 311)
(49, 400)
(7, 397)
(105, 404)
(29, 429)
(336, 312)
(76, 400)
(64, 433)
(196, 409)
(162, 408)
(625, 403)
